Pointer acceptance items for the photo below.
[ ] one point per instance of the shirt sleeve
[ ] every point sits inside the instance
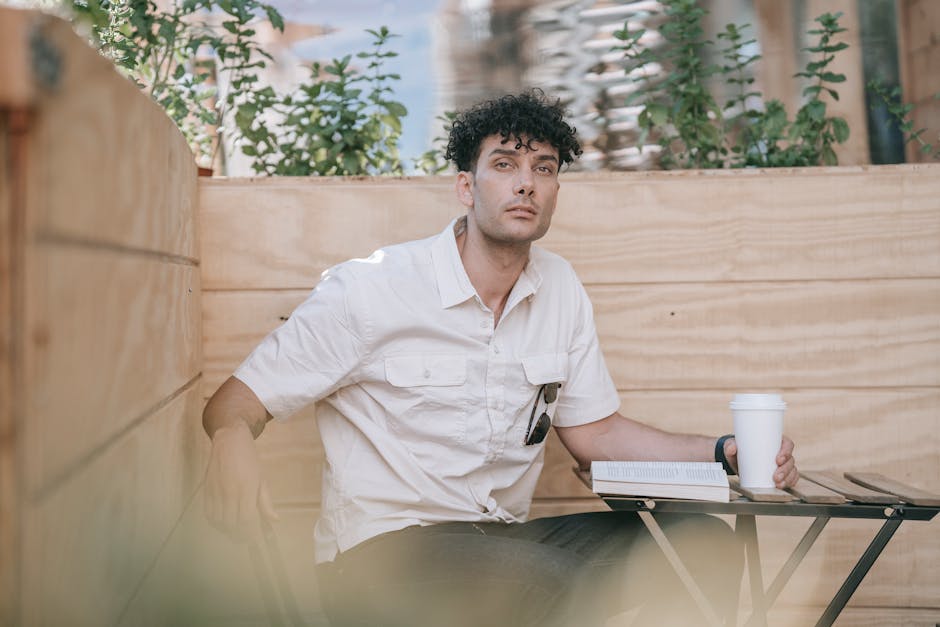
(315, 352)
(589, 394)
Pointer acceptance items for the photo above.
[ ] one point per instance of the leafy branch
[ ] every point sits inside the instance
(342, 121)
(693, 132)
(900, 113)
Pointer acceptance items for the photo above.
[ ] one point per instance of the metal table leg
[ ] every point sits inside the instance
(670, 552)
(858, 573)
(806, 543)
(746, 526)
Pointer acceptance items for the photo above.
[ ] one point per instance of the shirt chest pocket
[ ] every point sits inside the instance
(527, 378)
(426, 396)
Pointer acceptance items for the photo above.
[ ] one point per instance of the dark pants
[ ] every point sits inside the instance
(575, 570)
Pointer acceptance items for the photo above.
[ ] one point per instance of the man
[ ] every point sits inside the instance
(441, 364)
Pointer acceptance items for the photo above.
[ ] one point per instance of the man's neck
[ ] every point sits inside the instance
(492, 268)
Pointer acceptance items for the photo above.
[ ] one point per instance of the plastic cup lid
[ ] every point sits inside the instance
(758, 401)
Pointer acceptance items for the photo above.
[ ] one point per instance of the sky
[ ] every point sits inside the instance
(412, 21)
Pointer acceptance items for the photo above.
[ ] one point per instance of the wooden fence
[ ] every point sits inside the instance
(100, 347)
(127, 295)
(821, 284)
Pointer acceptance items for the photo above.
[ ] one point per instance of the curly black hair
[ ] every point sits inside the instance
(529, 116)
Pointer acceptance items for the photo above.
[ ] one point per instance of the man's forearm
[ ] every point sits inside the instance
(234, 405)
(620, 438)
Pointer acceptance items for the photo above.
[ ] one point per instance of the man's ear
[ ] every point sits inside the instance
(464, 188)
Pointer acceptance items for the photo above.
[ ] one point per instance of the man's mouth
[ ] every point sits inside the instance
(527, 209)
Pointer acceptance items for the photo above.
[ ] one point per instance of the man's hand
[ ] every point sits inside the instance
(786, 474)
(236, 497)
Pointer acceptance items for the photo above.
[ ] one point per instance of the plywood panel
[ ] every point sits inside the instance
(925, 83)
(233, 324)
(819, 334)
(9, 479)
(680, 336)
(896, 431)
(141, 191)
(91, 542)
(814, 223)
(110, 335)
(299, 227)
(923, 22)
(17, 88)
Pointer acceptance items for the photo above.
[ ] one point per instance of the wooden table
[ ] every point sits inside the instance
(892, 510)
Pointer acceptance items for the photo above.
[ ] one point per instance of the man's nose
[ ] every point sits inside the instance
(524, 186)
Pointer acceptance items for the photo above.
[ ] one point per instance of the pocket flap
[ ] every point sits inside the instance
(416, 370)
(548, 368)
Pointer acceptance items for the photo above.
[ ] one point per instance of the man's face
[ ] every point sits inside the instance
(511, 194)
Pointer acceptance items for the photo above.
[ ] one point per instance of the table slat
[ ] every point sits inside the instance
(908, 494)
(760, 495)
(853, 492)
(810, 492)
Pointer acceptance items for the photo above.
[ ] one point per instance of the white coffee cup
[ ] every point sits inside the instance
(758, 432)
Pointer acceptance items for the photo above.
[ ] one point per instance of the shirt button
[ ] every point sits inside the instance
(427, 374)
(496, 348)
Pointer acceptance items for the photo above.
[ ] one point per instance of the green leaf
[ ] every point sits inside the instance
(275, 17)
(832, 77)
(829, 156)
(395, 108)
(840, 129)
(351, 163)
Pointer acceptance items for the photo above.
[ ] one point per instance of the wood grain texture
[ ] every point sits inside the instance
(777, 64)
(9, 476)
(782, 334)
(818, 284)
(287, 232)
(681, 336)
(141, 192)
(810, 492)
(761, 495)
(110, 336)
(908, 494)
(17, 88)
(918, 56)
(815, 223)
(91, 542)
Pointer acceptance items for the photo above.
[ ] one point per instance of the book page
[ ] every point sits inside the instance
(687, 473)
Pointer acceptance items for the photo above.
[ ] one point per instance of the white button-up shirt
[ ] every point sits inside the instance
(424, 403)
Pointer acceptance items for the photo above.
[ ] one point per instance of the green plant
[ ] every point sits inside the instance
(178, 54)
(341, 122)
(686, 121)
(432, 161)
(900, 113)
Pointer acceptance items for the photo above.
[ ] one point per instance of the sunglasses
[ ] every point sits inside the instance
(536, 434)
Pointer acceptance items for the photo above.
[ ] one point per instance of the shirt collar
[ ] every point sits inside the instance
(454, 285)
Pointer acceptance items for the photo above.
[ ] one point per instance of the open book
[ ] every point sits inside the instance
(704, 481)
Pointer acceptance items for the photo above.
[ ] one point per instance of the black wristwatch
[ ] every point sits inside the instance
(720, 454)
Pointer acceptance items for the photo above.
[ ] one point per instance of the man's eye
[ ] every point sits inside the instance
(502, 165)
